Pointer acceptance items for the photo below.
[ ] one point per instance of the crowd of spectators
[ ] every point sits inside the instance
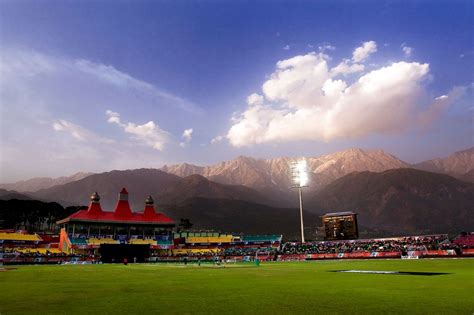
(249, 251)
(401, 244)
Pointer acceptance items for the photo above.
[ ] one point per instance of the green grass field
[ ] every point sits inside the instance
(272, 288)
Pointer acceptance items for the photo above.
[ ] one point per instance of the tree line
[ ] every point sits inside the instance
(33, 215)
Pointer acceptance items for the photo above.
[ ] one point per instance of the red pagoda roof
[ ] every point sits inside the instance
(121, 214)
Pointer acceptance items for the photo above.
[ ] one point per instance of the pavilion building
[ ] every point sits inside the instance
(116, 234)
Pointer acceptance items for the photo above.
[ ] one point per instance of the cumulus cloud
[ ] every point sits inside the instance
(363, 52)
(149, 133)
(255, 99)
(302, 100)
(346, 67)
(286, 47)
(187, 136)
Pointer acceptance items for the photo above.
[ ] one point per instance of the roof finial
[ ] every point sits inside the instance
(95, 197)
(149, 201)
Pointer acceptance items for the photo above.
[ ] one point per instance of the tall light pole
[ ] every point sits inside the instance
(300, 180)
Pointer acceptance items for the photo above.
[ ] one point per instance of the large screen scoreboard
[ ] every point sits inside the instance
(340, 226)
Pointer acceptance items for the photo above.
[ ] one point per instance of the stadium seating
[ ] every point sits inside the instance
(137, 241)
(98, 241)
(465, 241)
(209, 239)
(248, 251)
(19, 237)
(78, 241)
(41, 251)
(261, 238)
(195, 251)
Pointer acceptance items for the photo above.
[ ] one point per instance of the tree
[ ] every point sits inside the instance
(184, 224)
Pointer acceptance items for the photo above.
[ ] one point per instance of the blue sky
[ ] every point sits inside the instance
(69, 67)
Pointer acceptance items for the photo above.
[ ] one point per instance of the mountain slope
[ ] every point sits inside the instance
(458, 163)
(401, 200)
(140, 183)
(198, 186)
(38, 183)
(10, 194)
(273, 176)
(242, 217)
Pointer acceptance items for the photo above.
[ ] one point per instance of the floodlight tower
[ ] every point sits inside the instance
(300, 180)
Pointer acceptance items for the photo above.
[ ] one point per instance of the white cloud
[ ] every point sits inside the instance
(114, 117)
(298, 80)
(79, 133)
(149, 133)
(255, 99)
(187, 136)
(363, 52)
(75, 131)
(303, 101)
(59, 102)
(286, 47)
(345, 67)
(326, 47)
(406, 50)
(217, 139)
(110, 75)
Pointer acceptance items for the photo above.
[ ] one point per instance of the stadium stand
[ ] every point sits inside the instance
(209, 239)
(98, 241)
(261, 238)
(31, 248)
(465, 240)
(78, 241)
(142, 241)
(19, 237)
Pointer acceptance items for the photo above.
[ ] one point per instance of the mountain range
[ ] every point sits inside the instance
(38, 183)
(247, 194)
(401, 201)
(459, 164)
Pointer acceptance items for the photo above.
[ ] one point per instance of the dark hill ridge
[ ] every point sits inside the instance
(165, 188)
(404, 200)
(11, 194)
(242, 217)
(198, 186)
(140, 183)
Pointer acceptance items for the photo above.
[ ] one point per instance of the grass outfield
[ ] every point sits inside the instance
(272, 288)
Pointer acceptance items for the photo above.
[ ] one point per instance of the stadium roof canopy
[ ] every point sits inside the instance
(121, 215)
(334, 214)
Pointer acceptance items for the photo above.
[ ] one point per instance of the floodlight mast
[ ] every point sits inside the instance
(301, 213)
(300, 180)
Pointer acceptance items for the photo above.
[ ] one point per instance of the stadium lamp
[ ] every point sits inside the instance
(300, 180)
